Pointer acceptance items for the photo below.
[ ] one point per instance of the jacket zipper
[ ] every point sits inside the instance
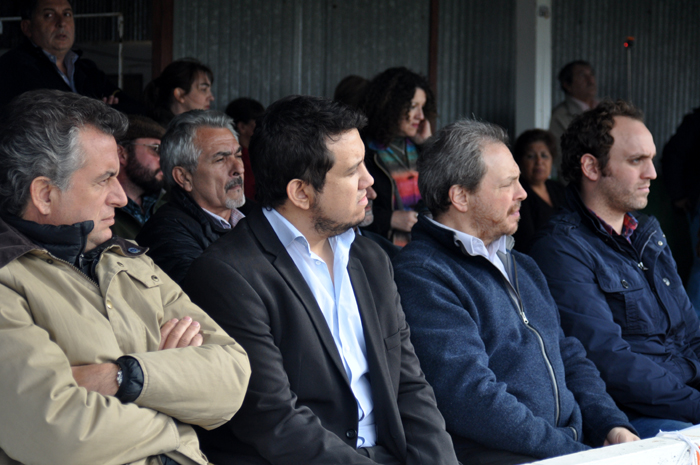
(80, 272)
(521, 308)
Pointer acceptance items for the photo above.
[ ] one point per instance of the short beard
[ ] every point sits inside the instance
(326, 226)
(144, 178)
(235, 203)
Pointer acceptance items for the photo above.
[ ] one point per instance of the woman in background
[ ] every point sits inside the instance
(398, 104)
(534, 153)
(183, 85)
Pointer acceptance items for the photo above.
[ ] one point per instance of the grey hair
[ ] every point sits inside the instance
(453, 157)
(39, 136)
(177, 147)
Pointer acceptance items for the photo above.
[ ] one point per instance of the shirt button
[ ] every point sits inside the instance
(154, 278)
(109, 305)
(625, 284)
(666, 281)
(49, 261)
(120, 264)
(351, 434)
(660, 243)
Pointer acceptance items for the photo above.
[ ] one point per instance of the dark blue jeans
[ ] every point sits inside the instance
(649, 427)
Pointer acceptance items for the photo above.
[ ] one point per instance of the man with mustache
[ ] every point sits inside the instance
(512, 388)
(139, 175)
(612, 273)
(47, 59)
(203, 170)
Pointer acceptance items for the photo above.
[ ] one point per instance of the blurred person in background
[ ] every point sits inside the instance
(244, 112)
(535, 151)
(398, 104)
(351, 90)
(183, 85)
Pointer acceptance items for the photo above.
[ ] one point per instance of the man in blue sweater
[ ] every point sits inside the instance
(511, 387)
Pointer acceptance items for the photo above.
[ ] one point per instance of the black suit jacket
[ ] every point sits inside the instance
(27, 68)
(299, 407)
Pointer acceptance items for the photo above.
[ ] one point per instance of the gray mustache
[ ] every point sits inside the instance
(237, 181)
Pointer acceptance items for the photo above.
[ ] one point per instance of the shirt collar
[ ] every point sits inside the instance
(629, 224)
(475, 246)
(236, 216)
(288, 233)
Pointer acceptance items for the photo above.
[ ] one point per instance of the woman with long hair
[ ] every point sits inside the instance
(398, 104)
(183, 85)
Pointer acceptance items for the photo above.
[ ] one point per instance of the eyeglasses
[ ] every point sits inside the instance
(154, 147)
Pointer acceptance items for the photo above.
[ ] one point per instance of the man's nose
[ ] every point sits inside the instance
(237, 168)
(650, 171)
(117, 197)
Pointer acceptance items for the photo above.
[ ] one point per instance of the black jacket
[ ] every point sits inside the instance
(177, 233)
(299, 407)
(27, 68)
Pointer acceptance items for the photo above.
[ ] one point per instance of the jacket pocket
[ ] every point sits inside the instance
(625, 294)
(392, 341)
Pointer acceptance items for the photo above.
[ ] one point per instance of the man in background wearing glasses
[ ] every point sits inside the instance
(139, 174)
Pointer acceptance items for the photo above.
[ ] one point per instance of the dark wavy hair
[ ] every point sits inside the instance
(291, 142)
(158, 94)
(387, 101)
(529, 137)
(589, 132)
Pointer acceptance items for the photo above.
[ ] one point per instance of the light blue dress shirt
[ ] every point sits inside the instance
(69, 62)
(336, 299)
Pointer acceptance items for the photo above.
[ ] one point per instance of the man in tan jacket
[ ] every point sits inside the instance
(103, 358)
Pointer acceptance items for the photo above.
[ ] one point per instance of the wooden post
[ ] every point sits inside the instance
(162, 40)
(433, 49)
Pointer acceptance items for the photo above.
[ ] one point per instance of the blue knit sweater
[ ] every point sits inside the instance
(505, 378)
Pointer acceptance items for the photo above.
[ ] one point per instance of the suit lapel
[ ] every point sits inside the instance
(286, 267)
(374, 341)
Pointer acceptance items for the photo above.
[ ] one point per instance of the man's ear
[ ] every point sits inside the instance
(41, 194)
(590, 168)
(123, 155)
(300, 194)
(26, 26)
(183, 178)
(459, 197)
(179, 94)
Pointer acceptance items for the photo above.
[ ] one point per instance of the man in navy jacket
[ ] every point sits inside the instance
(612, 274)
(512, 388)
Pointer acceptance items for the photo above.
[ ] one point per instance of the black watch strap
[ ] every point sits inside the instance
(132, 379)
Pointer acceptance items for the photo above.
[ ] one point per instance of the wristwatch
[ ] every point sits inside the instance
(120, 377)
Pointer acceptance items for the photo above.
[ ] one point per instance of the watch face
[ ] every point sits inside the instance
(120, 377)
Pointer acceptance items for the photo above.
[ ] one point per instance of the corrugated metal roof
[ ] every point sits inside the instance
(476, 64)
(665, 56)
(267, 49)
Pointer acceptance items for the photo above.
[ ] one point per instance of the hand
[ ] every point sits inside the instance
(99, 377)
(180, 333)
(403, 220)
(111, 100)
(424, 132)
(618, 435)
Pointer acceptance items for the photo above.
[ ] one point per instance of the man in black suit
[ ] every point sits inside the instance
(46, 59)
(335, 378)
